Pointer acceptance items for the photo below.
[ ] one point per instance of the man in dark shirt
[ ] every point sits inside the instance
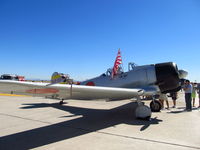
(188, 95)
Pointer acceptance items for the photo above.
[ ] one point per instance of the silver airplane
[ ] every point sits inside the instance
(138, 81)
(151, 79)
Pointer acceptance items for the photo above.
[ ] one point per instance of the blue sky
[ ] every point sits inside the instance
(82, 37)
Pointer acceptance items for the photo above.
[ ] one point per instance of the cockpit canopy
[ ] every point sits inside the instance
(131, 66)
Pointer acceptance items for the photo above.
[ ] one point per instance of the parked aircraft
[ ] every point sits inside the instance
(113, 85)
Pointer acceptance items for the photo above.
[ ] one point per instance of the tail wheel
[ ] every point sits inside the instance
(155, 106)
(61, 102)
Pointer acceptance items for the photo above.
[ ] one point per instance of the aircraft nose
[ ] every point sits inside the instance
(167, 77)
(182, 74)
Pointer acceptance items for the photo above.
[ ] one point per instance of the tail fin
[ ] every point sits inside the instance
(59, 77)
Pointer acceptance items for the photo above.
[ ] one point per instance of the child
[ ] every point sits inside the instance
(193, 94)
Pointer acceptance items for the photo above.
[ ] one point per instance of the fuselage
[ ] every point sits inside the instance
(138, 77)
(161, 77)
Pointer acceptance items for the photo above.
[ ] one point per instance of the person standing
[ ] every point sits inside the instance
(188, 95)
(162, 98)
(174, 96)
(194, 88)
(198, 91)
(199, 98)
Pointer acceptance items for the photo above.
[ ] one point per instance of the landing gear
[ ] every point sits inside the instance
(142, 111)
(61, 102)
(155, 106)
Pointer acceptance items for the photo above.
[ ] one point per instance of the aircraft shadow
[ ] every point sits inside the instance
(92, 120)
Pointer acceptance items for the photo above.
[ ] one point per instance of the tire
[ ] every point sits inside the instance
(143, 112)
(155, 106)
(61, 102)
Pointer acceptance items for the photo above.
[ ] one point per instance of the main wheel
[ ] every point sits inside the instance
(143, 112)
(155, 106)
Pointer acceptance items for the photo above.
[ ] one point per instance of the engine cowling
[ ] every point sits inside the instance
(167, 75)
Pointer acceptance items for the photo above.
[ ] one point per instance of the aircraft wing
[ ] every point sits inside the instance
(66, 91)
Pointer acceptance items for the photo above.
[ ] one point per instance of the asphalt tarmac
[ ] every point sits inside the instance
(39, 123)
